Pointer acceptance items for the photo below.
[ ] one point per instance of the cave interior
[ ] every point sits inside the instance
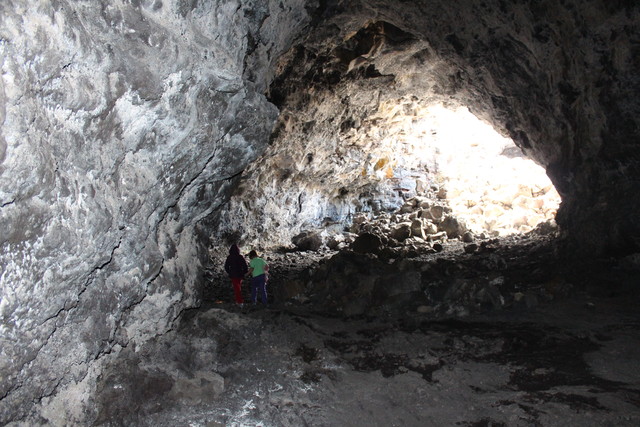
(446, 194)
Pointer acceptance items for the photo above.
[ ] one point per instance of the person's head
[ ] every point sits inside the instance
(234, 250)
(253, 254)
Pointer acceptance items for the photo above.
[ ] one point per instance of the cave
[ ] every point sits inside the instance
(140, 138)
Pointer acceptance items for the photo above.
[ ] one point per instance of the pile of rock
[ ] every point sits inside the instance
(421, 225)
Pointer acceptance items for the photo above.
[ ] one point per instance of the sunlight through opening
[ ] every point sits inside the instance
(487, 180)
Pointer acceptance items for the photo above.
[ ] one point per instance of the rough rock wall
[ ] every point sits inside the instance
(558, 77)
(121, 126)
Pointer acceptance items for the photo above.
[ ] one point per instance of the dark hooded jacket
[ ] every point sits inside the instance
(235, 265)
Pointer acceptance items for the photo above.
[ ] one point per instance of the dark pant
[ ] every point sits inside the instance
(237, 289)
(259, 285)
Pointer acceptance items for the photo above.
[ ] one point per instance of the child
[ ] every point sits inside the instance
(236, 268)
(258, 269)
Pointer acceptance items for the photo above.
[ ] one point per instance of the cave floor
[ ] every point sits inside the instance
(573, 361)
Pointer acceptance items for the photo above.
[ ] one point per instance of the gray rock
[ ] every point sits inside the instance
(307, 241)
(124, 130)
(437, 212)
(452, 226)
(471, 248)
(430, 228)
(401, 231)
(367, 243)
(467, 237)
(417, 229)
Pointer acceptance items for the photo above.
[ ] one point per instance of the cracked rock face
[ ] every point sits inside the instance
(122, 125)
(125, 126)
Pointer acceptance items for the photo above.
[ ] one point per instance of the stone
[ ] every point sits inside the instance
(407, 208)
(452, 226)
(307, 241)
(335, 240)
(421, 186)
(470, 248)
(367, 243)
(358, 224)
(430, 228)
(417, 229)
(440, 236)
(401, 232)
(467, 237)
(437, 212)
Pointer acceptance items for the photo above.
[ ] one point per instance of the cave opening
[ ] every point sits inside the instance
(136, 136)
(369, 123)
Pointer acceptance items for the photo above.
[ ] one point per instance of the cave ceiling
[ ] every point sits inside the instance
(127, 126)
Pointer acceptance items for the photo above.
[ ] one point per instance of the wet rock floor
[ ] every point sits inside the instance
(570, 361)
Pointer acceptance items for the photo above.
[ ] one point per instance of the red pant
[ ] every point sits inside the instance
(237, 289)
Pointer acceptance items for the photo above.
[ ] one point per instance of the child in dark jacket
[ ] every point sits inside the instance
(236, 267)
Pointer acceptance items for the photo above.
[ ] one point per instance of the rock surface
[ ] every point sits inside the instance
(290, 367)
(124, 127)
(558, 78)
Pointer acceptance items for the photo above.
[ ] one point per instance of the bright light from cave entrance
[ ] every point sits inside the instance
(488, 181)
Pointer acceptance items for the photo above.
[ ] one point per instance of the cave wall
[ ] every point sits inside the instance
(122, 124)
(125, 125)
(559, 78)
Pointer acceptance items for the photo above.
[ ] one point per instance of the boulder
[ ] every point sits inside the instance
(441, 236)
(452, 226)
(417, 229)
(430, 228)
(471, 248)
(367, 243)
(358, 222)
(401, 231)
(307, 241)
(436, 212)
